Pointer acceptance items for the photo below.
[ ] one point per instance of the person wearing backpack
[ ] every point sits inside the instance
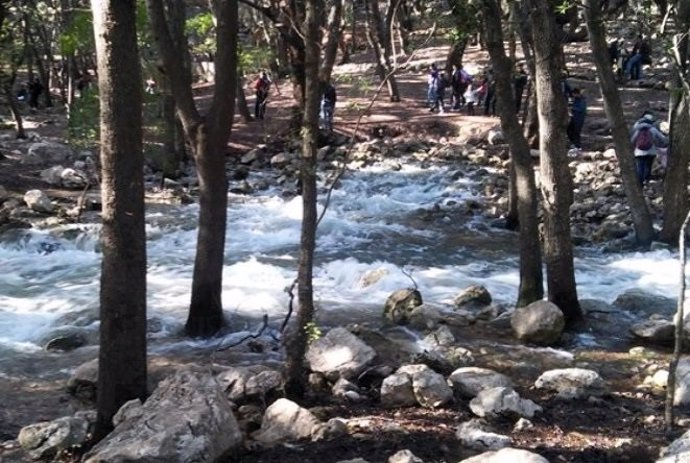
(646, 138)
(261, 88)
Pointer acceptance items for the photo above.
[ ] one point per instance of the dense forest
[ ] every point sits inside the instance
(362, 231)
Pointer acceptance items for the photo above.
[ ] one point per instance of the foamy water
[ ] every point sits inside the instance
(51, 277)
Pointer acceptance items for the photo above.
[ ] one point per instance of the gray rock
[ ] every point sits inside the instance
(335, 428)
(187, 418)
(540, 322)
(655, 331)
(243, 383)
(441, 337)
(339, 354)
(470, 381)
(678, 451)
(396, 391)
(346, 390)
(47, 152)
(507, 455)
(72, 178)
(572, 383)
(84, 380)
(404, 456)
(46, 439)
(431, 389)
(399, 305)
(682, 395)
(52, 175)
(474, 296)
(281, 160)
(500, 401)
(644, 303)
(284, 420)
(65, 343)
(38, 201)
(4, 194)
(475, 434)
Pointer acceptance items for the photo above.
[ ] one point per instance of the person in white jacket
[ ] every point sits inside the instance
(646, 139)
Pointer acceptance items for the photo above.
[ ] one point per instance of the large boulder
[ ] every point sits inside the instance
(540, 322)
(396, 391)
(38, 201)
(339, 354)
(507, 455)
(46, 439)
(644, 303)
(400, 304)
(467, 382)
(475, 434)
(502, 401)
(284, 420)
(47, 152)
(682, 395)
(655, 331)
(472, 297)
(187, 418)
(678, 451)
(572, 383)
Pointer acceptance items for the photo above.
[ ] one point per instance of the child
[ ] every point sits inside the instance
(472, 97)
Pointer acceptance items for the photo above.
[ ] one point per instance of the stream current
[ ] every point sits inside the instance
(377, 221)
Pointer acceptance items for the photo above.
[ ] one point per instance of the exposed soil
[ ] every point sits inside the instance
(623, 427)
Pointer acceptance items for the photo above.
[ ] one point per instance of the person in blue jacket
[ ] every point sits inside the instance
(578, 112)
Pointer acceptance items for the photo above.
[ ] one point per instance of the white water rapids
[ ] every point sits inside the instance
(50, 278)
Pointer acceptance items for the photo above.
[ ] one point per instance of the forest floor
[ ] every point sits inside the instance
(626, 426)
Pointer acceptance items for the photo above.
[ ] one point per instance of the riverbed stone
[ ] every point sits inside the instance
(46, 439)
(83, 382)
(284, 420)
(243, 383)
(399, 305)
(187, 418)
(404, 456)
(397, 391)
(477, 435)
(645, 304)
(38, 201)
(47, 152)
(682, 395)
(467, 382)
(473, 297)
(678, 451)
(430, 389)
(572, 383)
(501, 401)
(507, 455)
(339, 354)
(52, 175)
(654, 331)
(540, 322)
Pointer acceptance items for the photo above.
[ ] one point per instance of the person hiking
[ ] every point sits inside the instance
(519, 83)
(328, 101)
(261, 87)
(641, 54)
(35, 91)
(646, 139)
(432, 87)
(460, 80)
(439, 103)
(578, 111)
(472, 97)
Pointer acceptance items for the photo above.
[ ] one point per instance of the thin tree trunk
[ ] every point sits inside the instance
(333, 28)
(679, 329)
(455, 55)
(242, 107)
(531, 277)
(297, 343)
(14, 108)
(642, 219)
(378, 39)
(556, 183)
(122, 354)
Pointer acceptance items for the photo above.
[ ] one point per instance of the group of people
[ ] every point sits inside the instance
(31, 92)
(262, 88)
(469, 92)
(628, 65)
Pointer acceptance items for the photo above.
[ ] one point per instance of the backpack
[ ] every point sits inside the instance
(644, 140)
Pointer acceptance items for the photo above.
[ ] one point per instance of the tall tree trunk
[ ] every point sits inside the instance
(122, 355)
(531, 277)
(676, 175)
(310, 128)
(377, 33)
(556, 183)
(242, 107)
(208, 136)
(334, 32)
(455, 54)
(8, 90)
(621, 136)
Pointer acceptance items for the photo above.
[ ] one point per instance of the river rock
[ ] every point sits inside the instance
(243, 383)
(281, 160)
(495, 136)
(65, 342)
(38, 201)
(396, 391)
(84, 380)
(47, 152)
(507, 455)
(46, 439)
(682, 395)
(404, 456)
(678, 451)
(52, 175)
(72, 178)
(4, 194)
(654, 331)
(442, 337)
(344, 389)
(399, 305)
(430, 389)
(540, 322)
(572, 383)
(339, 354)
(644, 303)
(474, 296)
(467, 382)
(284, 420)
(476, 434)
(501, 400)
(187, 418)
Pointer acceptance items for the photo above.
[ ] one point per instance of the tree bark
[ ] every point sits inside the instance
(297, 343)
(455, 55)
(208, 136)
(556, 183)
(242, 107)
(531, 278)
(642, 219)
(122, 355)
(377, 33)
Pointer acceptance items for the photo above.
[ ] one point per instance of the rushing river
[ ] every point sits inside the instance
(375, 222)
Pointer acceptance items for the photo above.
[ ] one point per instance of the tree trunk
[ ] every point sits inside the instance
(208, 136)
(122, 355)
(455, 55)
(377, 33)
(334, 32)
(676, 172)
(621, 136)
(12, 103)
(297, 342)
(531, 277)
(556, 183)
(242, 107)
